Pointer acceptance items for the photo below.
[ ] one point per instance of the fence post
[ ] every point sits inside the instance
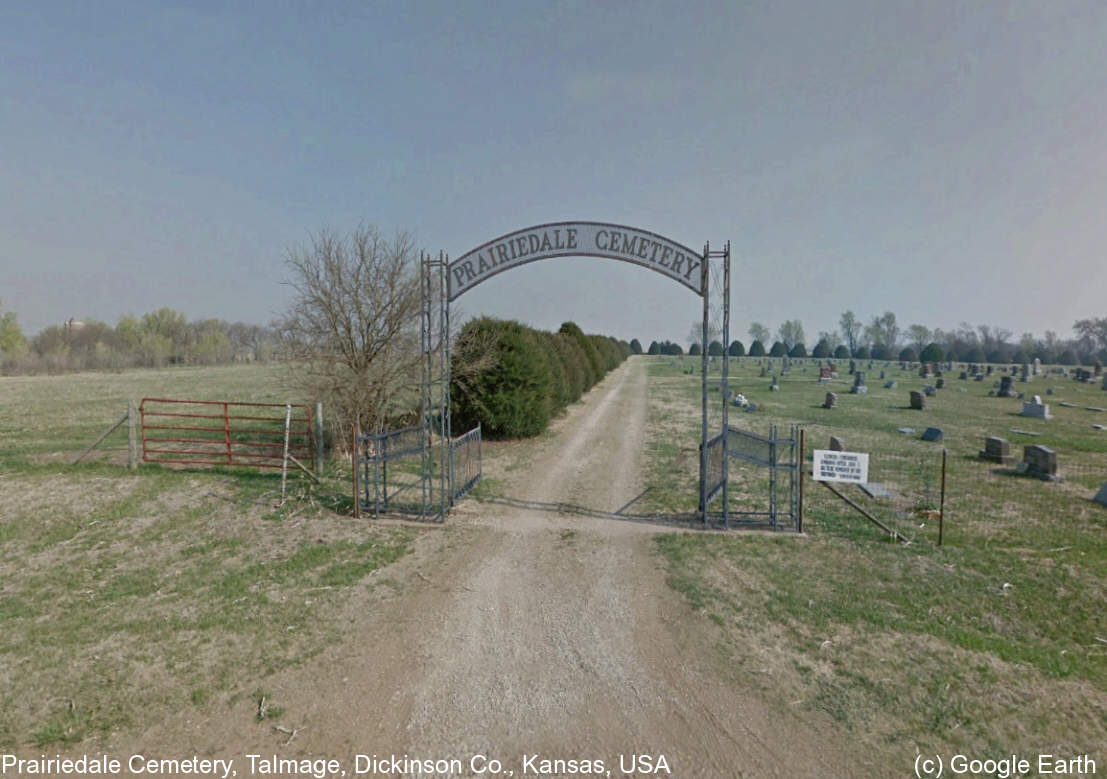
(318, 432)
(132, 442)
(802, 471)
(227, 432)
(354, 451)
(942, 499)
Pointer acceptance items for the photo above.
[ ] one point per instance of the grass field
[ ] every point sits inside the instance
(128, 594)
(997, 640)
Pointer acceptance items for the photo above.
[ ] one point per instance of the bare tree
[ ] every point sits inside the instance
(919, 336)
(790, 333)
(352, 328)
(758, 332)
(851, 330)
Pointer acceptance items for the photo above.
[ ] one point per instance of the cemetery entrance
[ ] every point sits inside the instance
(425, 469)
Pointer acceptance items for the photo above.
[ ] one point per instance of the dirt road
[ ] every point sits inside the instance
(520, 630)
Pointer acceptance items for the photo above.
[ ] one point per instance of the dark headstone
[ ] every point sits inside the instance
(1039, 461)
(939, 383)
(918, 400)
(1006, 387)
(932, 434)
(831, 400)
(1101, 496)
(836, 444)
(882, 376)
(890, 384)
(964, 376)
(929, 390)
(858, 387)
(998, 450)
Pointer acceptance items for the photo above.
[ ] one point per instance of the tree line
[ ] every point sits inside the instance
(513, 379)
(882, 338)
(152, 340)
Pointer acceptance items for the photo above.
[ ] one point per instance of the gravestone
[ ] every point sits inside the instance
(1037, 366)
(774, 387)
(918, 400)
(978, 377)
(932, 434)
(989, 370)
(1025, 376)
(831, 400)
(964, 376)
(858, 387)
(882, 378)
(1036, 409)
(1039, 461)
(890, 384)
(1105, 383)
(1101, 496)
(824, 375)
(998, 450)
(852, 367)
(836, 444)
(1006, 387)
(762, 371)
(929, 390)
(939, 383)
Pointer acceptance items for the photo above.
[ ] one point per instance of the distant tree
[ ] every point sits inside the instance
(932, 353)
(918, 336)
(790, 333)
(881, 352)
(757, 349)
(862, 353)
(1067, 357)
(655, 348)
(635, 346)
(975, 355)
(715, 349)
(883, 330)
(1000, 353)
(758, 332)
(799, 350)
(822, 349)
(851, 330)
(737, 349)
(778, 350)
(842, 352)
(906, 354)
(1020, 356)
(832, 338)
(1093, 331)
(13, 344)
(695, 350)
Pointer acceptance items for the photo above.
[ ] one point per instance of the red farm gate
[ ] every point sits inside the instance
(217, 432)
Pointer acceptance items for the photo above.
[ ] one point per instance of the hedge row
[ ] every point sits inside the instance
(513, 379)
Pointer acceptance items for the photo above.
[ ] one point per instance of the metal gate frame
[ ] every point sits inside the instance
(434, 387)
(777, 453)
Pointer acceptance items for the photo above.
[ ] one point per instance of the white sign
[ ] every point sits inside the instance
(577, 239)
(850, 467)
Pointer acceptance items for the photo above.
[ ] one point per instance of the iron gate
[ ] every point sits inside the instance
(393, 470)
(770, 492)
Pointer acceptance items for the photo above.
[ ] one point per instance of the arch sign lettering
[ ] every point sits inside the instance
(577, 239)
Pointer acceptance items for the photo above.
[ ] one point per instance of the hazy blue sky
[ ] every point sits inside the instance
(946, 160)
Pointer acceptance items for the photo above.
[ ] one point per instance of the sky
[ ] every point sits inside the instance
(943, 160)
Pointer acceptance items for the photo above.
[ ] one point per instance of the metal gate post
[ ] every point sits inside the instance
(703, 374)
(772, 475)
(726, 386)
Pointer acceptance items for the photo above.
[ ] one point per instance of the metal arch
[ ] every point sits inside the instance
(503, 259)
